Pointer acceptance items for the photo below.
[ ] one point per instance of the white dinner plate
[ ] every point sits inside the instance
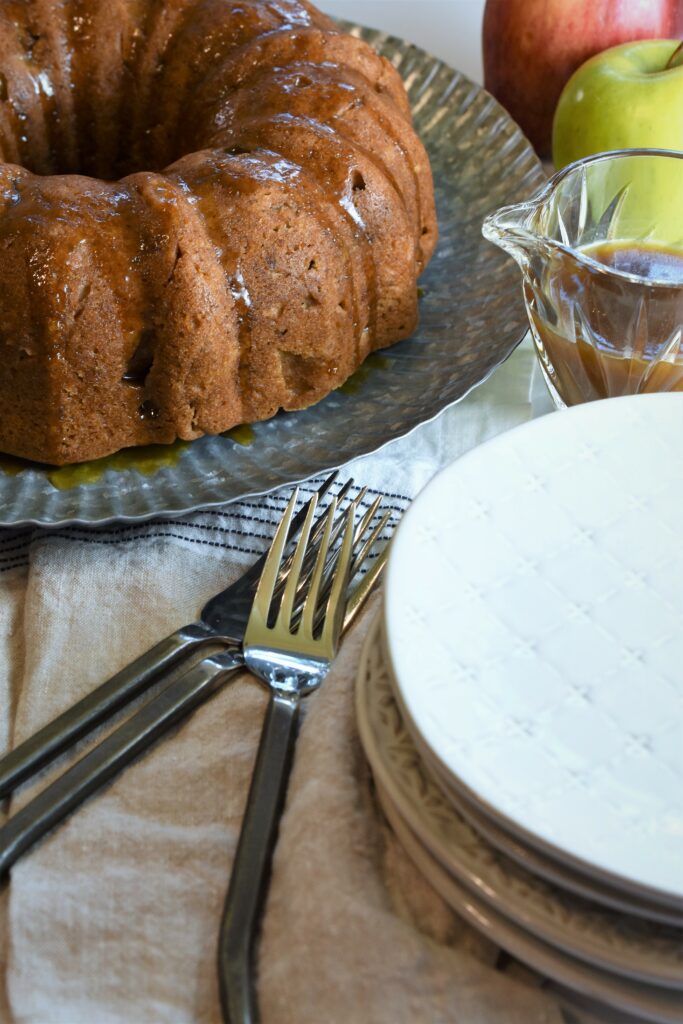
(647, 958)
(534, 618)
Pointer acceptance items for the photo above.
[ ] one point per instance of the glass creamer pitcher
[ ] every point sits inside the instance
(601, 253)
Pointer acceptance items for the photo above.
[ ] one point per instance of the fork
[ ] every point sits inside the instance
(222, 621)
(184, 694)
(292, 657)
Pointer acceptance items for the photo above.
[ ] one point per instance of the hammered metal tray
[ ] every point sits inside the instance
(471, 319)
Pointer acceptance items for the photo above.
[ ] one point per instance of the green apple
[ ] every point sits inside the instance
(628, 97)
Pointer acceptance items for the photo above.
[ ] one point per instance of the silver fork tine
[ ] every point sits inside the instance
(360, 557)
(343, 491)
(363, 553)
(284, 617)
(271, 569)
(339, 522)
(369, 515)
(358, 500)
(334, 613)
(311, 554)
(284, 566)
(310, 604)
(361, 591)
(316, 533)
(317, 527)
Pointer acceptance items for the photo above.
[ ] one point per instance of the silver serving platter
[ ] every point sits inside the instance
(471, 319)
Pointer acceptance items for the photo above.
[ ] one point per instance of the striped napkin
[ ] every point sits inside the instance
(113, 919)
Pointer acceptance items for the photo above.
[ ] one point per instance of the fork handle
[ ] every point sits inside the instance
(249, 878)
(118, 749)
(80, 719)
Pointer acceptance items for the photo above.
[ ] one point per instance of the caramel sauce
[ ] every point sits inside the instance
(653, 262)
(602, 335)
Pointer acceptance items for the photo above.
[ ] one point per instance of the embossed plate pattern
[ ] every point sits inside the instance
(554, 871)
(518, 910)
(471, 318)
(534, 616)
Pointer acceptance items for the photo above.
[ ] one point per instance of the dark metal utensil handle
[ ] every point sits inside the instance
(59, 734)
(248, 881)
(118, 749)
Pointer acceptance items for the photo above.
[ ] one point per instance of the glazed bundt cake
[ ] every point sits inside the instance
(210, 210)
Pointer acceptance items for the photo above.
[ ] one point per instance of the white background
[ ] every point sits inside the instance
(449, 29)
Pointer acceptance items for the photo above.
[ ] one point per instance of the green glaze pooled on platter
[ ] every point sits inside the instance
(146, 460)
(244, 435)
(374, 362)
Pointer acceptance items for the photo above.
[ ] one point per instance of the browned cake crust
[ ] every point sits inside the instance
(272, 212)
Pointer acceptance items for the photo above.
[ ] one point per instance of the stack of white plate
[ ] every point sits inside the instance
(520, 699)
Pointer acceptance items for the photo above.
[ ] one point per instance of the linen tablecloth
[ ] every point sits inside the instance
(113, 919)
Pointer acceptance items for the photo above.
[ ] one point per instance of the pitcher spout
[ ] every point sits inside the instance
(512, 228)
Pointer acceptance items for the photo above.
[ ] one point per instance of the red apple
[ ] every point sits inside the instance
(532, 48)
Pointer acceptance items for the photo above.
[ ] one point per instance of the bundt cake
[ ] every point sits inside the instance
(210, 210)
